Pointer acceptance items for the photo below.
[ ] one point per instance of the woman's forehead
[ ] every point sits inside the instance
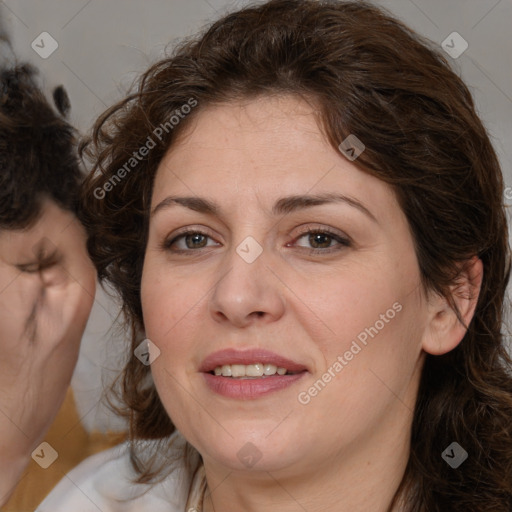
(261, 145)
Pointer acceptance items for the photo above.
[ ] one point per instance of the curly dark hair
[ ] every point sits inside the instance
(369, 75)
(38, 149)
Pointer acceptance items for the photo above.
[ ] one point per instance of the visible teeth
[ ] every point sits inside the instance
(226, 370)
(270, 369)
(254, 370)
(249, 370)
(237, 370)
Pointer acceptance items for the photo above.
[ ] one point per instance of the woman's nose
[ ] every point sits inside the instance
(248, 289)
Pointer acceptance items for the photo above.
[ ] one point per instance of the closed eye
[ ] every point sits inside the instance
(40, 265)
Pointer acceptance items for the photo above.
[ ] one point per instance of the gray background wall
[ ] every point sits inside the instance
(104, 44)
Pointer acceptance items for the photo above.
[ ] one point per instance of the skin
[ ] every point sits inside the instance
(47, 287)
(347, 448)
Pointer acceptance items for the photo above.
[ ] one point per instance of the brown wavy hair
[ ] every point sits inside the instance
(367, 74)
(38, 149)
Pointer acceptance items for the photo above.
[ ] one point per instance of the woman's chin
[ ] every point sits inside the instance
(254, 452)
(250, 458)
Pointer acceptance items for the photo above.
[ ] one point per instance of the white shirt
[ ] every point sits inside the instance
(104, 483)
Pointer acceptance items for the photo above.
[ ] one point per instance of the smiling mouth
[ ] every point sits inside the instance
(250, 371)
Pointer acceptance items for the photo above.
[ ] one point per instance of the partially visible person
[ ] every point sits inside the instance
(47, 282)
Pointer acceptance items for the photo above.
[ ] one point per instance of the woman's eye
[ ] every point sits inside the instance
(322, 241)
(319, 241)
(187, 240)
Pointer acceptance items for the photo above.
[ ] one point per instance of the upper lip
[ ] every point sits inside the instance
(252, 356)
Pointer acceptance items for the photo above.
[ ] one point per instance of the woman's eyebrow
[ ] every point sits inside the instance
(282, 206)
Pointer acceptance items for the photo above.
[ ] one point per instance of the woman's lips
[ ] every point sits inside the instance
(248, 357)
(249, 388)
(234, 362)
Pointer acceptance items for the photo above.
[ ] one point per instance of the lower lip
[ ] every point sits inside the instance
(247, 389)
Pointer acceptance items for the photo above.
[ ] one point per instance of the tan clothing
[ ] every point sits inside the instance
(72, 443)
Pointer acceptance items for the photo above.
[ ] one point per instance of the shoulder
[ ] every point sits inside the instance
(105, 482)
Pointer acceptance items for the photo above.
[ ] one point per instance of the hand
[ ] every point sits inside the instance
(47, 287)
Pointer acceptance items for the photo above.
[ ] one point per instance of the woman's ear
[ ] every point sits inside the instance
(444, 331)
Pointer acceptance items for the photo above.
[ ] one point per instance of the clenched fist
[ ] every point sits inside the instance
(47, 287)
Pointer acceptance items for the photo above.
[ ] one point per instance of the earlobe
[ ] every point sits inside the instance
(444, 330)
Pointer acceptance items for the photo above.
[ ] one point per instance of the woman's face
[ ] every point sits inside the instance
(250, 290)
